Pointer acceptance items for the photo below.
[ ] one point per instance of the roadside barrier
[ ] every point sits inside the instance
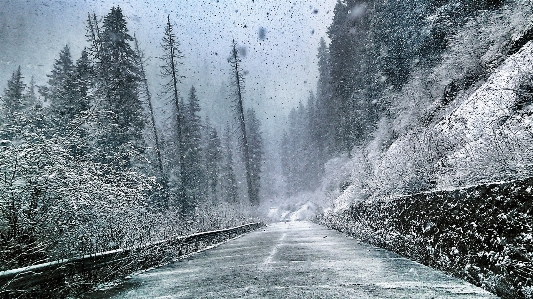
(483, 234)
(64, 278)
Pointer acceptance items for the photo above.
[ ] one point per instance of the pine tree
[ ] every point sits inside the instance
(192, 168)
(83, 81)
(299, 151)
(256, 148)
(66, 91)
(342, 49)
(295, 151)
(20, 123)
(62, 70)
(13, 106)
(93, 36)
(169, 70)
(323, 125)
(400, 39)
(238, 84)
(228, 180)
(35, 112)
(13, 99)
(350, 73)
(286, 161)
(315, 158)
(72, 109)
(32, 94)
(119, 79)
(213, 160)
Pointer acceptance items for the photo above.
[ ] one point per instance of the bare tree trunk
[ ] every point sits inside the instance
(162, 176)
(170, 45)
(240, 110)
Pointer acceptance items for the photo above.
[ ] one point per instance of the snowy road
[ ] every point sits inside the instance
(295, 260)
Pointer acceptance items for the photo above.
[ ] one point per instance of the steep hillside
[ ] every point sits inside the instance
(493, 126)
(464, 121)
(445, 177)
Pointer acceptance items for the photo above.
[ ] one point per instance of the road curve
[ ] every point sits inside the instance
(295, 260)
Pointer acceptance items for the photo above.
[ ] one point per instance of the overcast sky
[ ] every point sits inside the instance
(280, 62)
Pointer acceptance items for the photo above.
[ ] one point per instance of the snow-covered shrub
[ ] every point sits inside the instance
(66, 205)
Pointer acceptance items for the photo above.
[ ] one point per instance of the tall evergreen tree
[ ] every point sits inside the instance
(342, 51)
(75, 109)
(286, 161)
(32, 93)
(119, 79)
(238, 84)
(17, 112)
(169, 70)
(228, 180)
(294, 151)
(316, 154)
(400, 40)
(93, 36)
(300, 156)
(84, 81)
(13, 99)
(323, 125)
(256, 148)
(61, 71)
(213, 161)
(67, 90)
(192, 138)
(350, 73)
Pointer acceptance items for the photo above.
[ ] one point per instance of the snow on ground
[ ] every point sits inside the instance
(308, 211)
(494, 136)
(304, 206)
(294, 212)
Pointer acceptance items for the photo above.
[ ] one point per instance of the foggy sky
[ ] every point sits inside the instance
(280, 37)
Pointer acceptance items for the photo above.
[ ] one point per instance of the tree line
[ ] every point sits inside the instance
(85, 166)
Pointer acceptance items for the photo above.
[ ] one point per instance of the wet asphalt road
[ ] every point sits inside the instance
(294, 260)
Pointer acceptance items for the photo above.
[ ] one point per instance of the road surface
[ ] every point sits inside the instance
(294, 260)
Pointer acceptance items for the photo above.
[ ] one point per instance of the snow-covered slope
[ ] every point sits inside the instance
(493, 136)
(493, 101)
(456, 123)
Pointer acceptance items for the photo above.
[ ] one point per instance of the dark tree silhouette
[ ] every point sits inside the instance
(238, 82)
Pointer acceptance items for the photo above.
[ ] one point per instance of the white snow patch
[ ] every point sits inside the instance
(492, 100)
(306, 212)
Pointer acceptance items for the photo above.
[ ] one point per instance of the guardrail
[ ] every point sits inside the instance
(63, 278)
